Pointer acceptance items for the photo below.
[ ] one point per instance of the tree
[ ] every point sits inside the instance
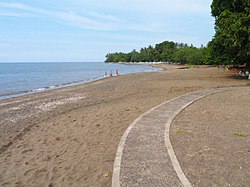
(162, 52)
(231, 43)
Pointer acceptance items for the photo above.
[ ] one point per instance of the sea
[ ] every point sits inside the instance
(18, 79)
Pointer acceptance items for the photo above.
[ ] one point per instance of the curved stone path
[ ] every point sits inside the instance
(145, 156)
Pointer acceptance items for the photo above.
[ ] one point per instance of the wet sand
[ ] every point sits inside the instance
(69, 136)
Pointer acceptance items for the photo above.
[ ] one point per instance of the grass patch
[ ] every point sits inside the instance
(241, 134)
(181, 132)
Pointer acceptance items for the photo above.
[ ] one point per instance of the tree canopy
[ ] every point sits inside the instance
(166, 51)
(230, 44)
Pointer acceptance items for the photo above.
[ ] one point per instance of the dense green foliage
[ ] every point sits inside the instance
(162, 52)
(230, 44)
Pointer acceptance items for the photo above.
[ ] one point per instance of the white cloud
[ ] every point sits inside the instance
(13, 5)
(11, 14)
(6, 45)
(152, 6)
(94, 21)
(161, 12)
(67, 17)
(106, 17)
(23, 7)
(80, 21)
(177, 6)
(106, 26)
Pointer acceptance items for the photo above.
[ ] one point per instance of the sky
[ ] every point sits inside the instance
(86, 30)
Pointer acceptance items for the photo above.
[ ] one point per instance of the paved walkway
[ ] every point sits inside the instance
(145, 156)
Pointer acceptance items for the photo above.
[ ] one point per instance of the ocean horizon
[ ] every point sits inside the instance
(21, 78)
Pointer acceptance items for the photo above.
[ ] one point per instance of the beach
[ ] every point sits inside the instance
(69, 136)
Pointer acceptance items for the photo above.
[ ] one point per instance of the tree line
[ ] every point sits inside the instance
(230, 44)
(166, 51)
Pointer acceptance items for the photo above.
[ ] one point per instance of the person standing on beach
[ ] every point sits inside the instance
(116, 72)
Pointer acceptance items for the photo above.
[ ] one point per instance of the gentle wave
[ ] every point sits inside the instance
(27, 78)
(64, 85)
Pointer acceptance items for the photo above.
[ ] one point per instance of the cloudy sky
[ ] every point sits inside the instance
(86, 30)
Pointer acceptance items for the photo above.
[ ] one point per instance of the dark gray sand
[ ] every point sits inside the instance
(69, 136)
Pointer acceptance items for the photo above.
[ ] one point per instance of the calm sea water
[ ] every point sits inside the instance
(23, 78)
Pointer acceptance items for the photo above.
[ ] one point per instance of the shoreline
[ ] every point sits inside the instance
(65, 85)
(69, 136)
(47, 88)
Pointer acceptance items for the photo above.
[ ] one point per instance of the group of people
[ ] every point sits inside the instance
(244, 73)
(111, 73)
(223, 68)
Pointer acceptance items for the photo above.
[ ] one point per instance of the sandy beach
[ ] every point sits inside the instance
(69, 136)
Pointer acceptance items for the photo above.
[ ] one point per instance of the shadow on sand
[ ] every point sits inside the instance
(237, 77)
